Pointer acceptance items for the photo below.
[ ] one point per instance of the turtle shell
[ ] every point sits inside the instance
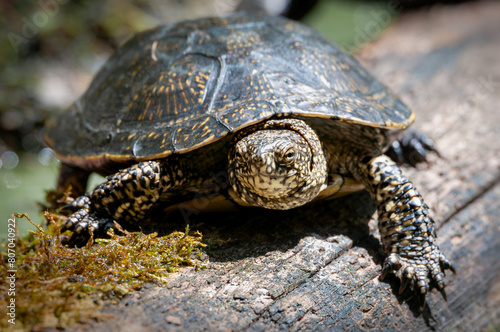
(176, 88)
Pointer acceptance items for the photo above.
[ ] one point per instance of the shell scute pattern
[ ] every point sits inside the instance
(236, 38)
(174, 96)
(227, 73)
(246, 114)
(201, 132)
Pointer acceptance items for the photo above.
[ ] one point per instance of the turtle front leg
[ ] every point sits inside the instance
(125, 196)
(406, 228)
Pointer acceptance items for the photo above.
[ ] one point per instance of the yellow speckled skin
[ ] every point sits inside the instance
(281, 190)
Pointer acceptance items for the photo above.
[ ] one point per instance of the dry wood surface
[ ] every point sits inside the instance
(318, 267)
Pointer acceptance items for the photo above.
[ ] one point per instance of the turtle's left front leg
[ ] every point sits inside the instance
(125, 196)
(406, 228)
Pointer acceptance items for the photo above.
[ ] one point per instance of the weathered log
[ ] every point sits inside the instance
(318, 267)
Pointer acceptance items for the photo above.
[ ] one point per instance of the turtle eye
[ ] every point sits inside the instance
(289, 155)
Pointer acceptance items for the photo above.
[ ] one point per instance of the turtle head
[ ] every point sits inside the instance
(277, 165)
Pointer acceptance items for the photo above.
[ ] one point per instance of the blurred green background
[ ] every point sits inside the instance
(50, 49)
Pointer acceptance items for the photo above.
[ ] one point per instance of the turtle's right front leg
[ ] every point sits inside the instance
(125, 196)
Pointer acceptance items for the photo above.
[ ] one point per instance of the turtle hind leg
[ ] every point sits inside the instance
(406, 228)
(411, 148)
(73, 176)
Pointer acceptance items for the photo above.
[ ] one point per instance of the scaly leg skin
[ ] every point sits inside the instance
(406, 229)
(125, 196)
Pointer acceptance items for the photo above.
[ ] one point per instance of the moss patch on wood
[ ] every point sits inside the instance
(56, 286)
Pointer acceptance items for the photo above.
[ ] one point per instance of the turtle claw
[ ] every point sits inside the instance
(404, 284)
(443, 293)
(83, 222)
(390, 265)
(78, 204)
(421, 298)
(385, 271)
(85, 228)
(446, 265)
(418, 275)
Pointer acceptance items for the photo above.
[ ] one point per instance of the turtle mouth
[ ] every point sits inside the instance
(261, 173)
(272, 186)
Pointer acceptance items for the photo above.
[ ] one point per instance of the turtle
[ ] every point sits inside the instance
(248, 110)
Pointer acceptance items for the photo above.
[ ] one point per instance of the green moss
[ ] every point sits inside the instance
(57, 286)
